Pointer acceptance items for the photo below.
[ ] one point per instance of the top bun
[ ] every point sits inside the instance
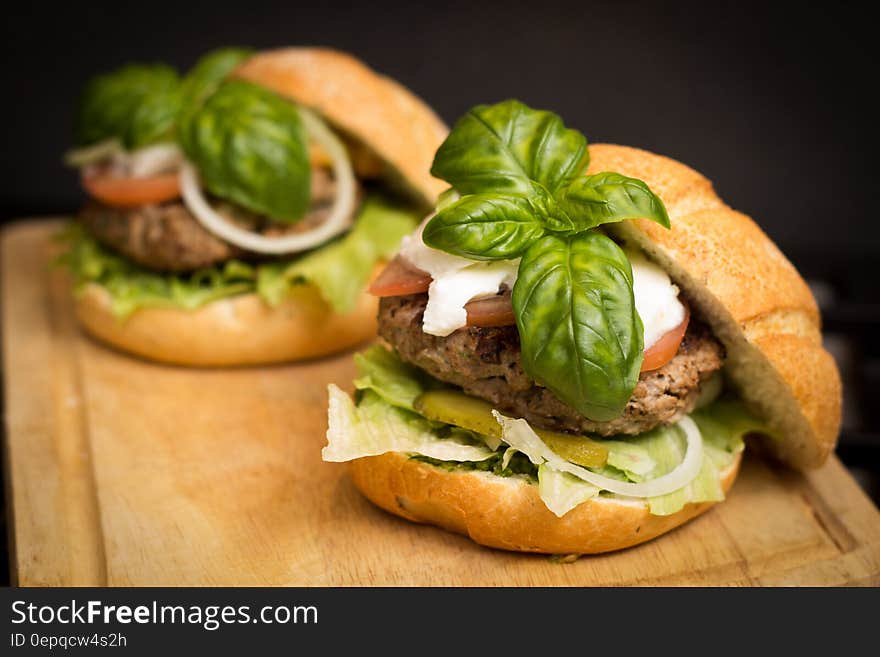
(751, 295)
(363, 105)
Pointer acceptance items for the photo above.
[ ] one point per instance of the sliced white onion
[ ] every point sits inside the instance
(150, 160)
(338, 220)
(102, 150)
(518, 434)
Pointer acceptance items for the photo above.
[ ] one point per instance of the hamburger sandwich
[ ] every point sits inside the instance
(237, 213)
(578, 342)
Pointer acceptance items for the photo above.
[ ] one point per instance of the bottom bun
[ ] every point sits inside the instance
(507, 513)
(241, 330)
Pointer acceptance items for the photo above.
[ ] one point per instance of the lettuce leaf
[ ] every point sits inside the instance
(340, 270)
(389, 377)
(630, 458)
(667, 447)
(132, 287)
(723, 424)
(374, 427)
(561, 492)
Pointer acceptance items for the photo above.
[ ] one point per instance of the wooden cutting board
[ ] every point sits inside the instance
(122, 472)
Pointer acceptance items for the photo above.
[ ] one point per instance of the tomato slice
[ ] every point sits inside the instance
(131, 192)
(399, 278)
(490, 311)
(662, 351)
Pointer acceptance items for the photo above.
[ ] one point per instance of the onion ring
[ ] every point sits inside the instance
(518, 434)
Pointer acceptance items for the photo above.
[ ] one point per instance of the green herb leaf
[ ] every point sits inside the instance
(508, 146)
(250, 147)
(579, 330)
(137, 104)
(485, 226)
(208, 72)
(610, 197)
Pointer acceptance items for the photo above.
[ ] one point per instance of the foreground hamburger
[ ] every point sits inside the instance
(237, 213)
(580, 342)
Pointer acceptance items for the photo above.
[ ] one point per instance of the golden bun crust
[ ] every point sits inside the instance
(507, 513)
(241, 330)
(754, 299)
(371, 108)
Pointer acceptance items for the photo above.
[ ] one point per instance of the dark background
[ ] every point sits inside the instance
(769, 100)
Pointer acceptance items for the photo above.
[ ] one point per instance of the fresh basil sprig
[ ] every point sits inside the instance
(140, 104)
(580, 333)
(137, 104)
(609, 197)
(487, 226)
(495, 151)
(208, 72)
(524, 194)
(250, 147)
(509, 147)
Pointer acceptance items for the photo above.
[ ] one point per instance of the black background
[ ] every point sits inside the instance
(769, 100)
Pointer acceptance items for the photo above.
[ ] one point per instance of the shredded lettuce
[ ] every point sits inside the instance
(391, 386)
(630, 458)
(374, 427)
(386, 375)
(561, 492)
(667, 446)
(340, 270)
(723, 424)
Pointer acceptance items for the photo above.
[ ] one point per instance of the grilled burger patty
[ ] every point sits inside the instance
(168, 238)
(161, 237)
(486, 363)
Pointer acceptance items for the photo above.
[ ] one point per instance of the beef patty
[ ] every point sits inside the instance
(168, 238)
(486, 363)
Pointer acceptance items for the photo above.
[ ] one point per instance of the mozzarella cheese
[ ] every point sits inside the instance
(456, 280)
(656, 298)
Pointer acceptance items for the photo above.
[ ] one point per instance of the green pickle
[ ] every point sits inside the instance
(456, 408)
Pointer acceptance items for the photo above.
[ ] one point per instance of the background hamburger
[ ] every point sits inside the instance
(581, 342)
(236, 214)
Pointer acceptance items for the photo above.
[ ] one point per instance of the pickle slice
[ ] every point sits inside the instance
(577, 449)
(457, 408)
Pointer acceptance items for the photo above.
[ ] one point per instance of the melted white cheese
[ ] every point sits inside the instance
(456, 280)
(656, 298)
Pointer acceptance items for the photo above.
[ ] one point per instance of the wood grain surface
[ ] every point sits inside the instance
(122, 472)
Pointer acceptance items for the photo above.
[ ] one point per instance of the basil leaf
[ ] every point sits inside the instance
(250, 148)
(610, 197)
(579, 330)
(485, 227)
(137, 104)
(507, 146)
(209, 71)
